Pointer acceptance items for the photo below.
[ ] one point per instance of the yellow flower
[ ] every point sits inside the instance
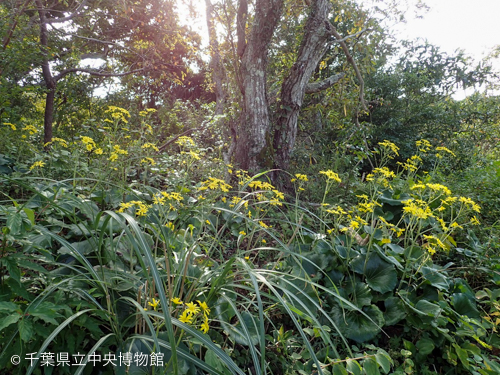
(98, 151)
(264, 241)
(330, 175)
(170, 226)
(186, 317)
(243, 233)
(204, 326)
(432, 243)
(445, 150)
(215, 183)
(418, 209)
(474, 220)
(354, 224)
(183, 141)
(439, 188)
(89, 147)
(148, 161)
(423, 145)
(390, 146)
(150, 145)
(204, 307)
(113, 157)
(192, 308)
(142, 210)
(247, 258)
(39, 164)
(468, 201)
(12, 126)
(263, 225)
(154, 304)
(176, 301)
(124, 206)
(301, 177)
(385, 241)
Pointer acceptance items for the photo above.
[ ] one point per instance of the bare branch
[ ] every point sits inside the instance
(315, 87)
(76, 13)
(241, 26)
(95, 73)
(351, 61)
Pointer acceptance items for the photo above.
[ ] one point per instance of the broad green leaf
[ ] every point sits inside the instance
(384, 360)
(435, 278)
(380, 276)
(462, 355)
(26, 329)
(396, 248)
(359, 294)
(8, 306)
(30, 214)
(370, 366)
(339, 369)
(14, 223)
(8, 320)
(427, 308)
(353, 367)
(425, 346)
(357, 326)
(464, 305)
(12, 269)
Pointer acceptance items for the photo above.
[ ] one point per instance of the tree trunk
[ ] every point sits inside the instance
(253, 132)
(49, 80)
(215, 61)
(312, 48)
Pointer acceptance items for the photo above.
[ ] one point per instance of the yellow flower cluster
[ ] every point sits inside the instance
(394, 228)
(148, 161)
(423, 145)
(117, 150)
(37, 164)
(31, 129)
(417, 208)
(60, 141)
(330, 175)
(215, 183)
(299, 177)
(390, 146)
(89, 143)
(141, 210)
(12, 126)
(150, 145)
(146, 112)
(444, 149)
(411, 164)
(433, 243)
(191, 312)
(185, 141)
(118, 113)
(436, 188)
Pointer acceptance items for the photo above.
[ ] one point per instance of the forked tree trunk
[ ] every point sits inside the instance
(260, 145)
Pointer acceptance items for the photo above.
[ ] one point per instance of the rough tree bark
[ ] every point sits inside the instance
(314, 43)
(260, 144)
(253, 131)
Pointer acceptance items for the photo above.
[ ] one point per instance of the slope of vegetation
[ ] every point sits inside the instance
(133, 243)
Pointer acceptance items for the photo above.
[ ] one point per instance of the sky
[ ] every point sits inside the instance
(471, 25)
